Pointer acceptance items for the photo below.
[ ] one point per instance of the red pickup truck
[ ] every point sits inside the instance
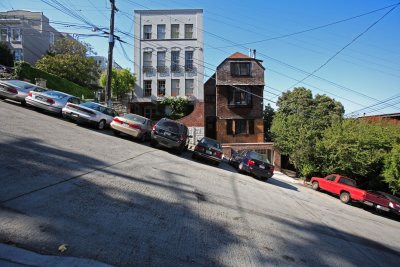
(339, 185)
(347, 191)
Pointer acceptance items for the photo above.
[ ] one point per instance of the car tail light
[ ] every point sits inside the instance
(154, 128)
(199, 148)
(12, 90)
(117, 120)
(50, 101)
(134, 126)
(182, 137)
(391, 205)
(250, 162)
(218, 154)
(30, 94)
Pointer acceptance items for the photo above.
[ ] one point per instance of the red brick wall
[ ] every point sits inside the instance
(196, 118)
(257, 137)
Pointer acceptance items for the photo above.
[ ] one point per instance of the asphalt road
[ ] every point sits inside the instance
(120, 202)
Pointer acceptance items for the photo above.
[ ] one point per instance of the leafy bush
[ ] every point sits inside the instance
(24, 71)
(391, 171)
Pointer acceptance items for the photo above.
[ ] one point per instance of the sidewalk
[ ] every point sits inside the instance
(284, 178)
(13, 256)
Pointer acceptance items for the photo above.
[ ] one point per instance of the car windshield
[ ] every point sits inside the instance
(210, 142)
(390, 197)
(170, 126)
(136, 118)
(21, 84)
(55, 94)
(90, 105)
(255, 155)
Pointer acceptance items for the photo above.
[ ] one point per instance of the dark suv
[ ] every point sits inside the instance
(170, 134)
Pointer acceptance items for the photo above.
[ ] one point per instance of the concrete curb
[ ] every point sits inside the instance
(13, 256)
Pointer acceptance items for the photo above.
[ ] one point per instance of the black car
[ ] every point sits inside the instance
(251, 162)
(208, 149)
(170, 134)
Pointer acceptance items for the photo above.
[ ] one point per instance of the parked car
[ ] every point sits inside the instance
(89, 112)
(49, 100)
(16, 90)
(251, 162)
(132, 124)
(170, 134)
(208, 149)
(382, 201)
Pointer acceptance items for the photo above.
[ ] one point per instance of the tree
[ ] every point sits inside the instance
(6, 57)
(357, 148)
(268, 116)
(299, 123)
(67, 59)
(391, 172)
(177, 105)
(122, 82)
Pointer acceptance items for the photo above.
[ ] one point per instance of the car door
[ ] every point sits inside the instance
(326, 183)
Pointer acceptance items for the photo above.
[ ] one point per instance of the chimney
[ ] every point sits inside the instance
(250, 52)
(254, 53)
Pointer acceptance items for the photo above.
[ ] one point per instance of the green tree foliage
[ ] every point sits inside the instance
(357, 148)
(268, 116)
(178, 106)
(67, 59)
(6, 57)
(299, 123)
(391, 171)
(122, 81)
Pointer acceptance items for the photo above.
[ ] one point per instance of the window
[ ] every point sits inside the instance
(229, 130)
(160, 61)
(161, 31)
(174, 87)
(188, 60)
(347, 181)
(189, 87)
(161, 88)
(175, 61)
(240, 127)
(188, 31)
(174, 31)
(18, 54)
(147, 32)
(331, 178)
(147, 64)
(147, 88)
(16, 35)
(240, 68)
(239, 96)
(3, 35)
(251, 126)
(51, 38)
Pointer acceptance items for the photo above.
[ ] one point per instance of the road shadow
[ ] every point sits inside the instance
(281, 184)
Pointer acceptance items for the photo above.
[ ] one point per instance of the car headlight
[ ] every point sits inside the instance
(391, 205)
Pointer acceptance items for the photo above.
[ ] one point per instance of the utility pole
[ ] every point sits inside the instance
(110, 54)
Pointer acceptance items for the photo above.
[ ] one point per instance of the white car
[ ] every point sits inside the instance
(131, 124)
(89, 112)
(52, 101)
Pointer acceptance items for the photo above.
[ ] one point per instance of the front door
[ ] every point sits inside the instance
(210, 127)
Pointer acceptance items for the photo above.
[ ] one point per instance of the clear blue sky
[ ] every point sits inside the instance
(363, 73)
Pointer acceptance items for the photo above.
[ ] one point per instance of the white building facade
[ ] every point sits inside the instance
(168, 57)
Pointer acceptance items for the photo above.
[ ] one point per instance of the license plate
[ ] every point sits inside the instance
(39, 98)
(125, 124)
(167, 133)
(262, 167)
(74, 115)
(208, 152)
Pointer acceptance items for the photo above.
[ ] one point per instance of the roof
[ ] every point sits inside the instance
(239, 55)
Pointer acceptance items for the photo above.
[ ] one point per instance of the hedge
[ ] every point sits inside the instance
(24, 71)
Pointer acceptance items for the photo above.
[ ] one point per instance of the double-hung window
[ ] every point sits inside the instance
(189, 83)
(188, 60)
(161, 61)
(3, 35)
(174, 31)
(175, 61)
(147, 88)
(174, 87)
(188, 31)
(16, 35)
(147, 65)
(147, 32)
(161, 88)
(160, 31)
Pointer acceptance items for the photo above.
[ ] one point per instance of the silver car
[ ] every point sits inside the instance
(132, 124)
(49, 100)
(16, 90)
(89, 112)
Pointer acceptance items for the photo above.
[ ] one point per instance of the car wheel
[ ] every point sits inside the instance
(315, 185)
(194, 156)
(345, 197)
(216, 163)
(153, 143)
(116, 133)
(143, 138)
(101, 125)
(23, 103)
(180, 149)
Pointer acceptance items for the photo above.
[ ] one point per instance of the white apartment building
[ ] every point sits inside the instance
(168, 57)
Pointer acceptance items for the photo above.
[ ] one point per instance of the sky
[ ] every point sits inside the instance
(345, 49)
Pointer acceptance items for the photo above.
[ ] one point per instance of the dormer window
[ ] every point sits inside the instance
(241, 68)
